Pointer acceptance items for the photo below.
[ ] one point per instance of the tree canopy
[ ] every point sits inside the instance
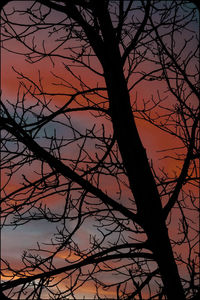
(100, 149)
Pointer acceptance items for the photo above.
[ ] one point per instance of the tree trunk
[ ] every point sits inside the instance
(144, 190)
(134, 157)
(140, 177)
(162, 250)
(146, 197)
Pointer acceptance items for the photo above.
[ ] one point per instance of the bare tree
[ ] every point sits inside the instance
(77, 140)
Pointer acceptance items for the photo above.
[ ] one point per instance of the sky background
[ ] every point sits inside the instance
(154, 140)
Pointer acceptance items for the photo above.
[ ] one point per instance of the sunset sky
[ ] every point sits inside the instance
(16, 240)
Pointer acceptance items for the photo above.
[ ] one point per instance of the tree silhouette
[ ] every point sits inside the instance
(76, 139)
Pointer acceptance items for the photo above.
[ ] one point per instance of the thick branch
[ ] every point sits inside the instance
(93, 259)
(71, 10)
(61, 168)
